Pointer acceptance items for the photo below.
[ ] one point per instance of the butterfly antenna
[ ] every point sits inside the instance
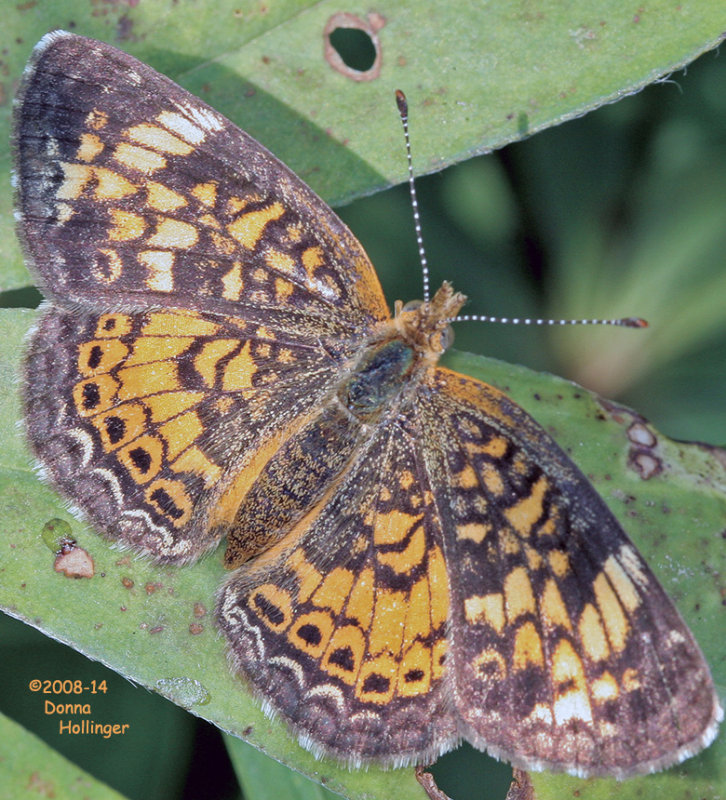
(402, 104)
(624, 322)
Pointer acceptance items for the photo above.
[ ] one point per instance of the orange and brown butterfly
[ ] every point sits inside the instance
(415, 560)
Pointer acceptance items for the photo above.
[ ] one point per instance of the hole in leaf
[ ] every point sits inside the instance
(355, 48)
(352, 46)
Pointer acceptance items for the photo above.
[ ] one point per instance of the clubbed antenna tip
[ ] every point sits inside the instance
(402, 103)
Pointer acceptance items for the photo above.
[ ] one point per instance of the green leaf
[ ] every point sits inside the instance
(478, 76)
(30, 768)
(263, 778)
(148, 623)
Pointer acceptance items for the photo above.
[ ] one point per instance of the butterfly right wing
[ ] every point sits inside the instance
(342, 627)
(566, 651)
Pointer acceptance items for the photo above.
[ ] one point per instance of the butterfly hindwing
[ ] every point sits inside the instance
(146, 419)
(343, 628)
(568, 654)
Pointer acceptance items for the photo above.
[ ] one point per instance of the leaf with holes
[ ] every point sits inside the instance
(476, 77)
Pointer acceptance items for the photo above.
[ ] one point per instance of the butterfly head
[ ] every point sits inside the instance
(425, 324)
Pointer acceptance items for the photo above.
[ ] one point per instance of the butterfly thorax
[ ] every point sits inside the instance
(310, 462)
(407, 346)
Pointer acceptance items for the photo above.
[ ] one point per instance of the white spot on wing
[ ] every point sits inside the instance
(181, 126)
(111, 481)
(330, 693)
(292, 666)
(85, 442)
(630, 560)
(204, 117)
(572, 705)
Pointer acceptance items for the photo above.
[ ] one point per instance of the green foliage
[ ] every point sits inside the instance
(29, 768)
(618, 213)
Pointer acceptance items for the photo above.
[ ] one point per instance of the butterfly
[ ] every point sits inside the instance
(414, 561)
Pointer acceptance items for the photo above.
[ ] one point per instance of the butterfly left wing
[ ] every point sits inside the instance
(138, 203)
(342, 628)
(132, 193)
(566, 651)
(149, 421)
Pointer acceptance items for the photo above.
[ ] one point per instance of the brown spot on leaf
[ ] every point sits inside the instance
(39, 787)
(644, 463)
(640, 435)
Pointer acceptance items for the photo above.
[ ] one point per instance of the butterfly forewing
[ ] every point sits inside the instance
(165, 202)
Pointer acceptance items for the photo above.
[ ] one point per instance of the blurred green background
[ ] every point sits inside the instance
(620, 213)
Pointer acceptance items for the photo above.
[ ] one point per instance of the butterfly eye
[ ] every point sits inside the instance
(413, 305)
(447, 337)
(441, 340)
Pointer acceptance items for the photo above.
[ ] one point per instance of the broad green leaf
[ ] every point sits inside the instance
(478, 75)
(148, 623)
(30, 768)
